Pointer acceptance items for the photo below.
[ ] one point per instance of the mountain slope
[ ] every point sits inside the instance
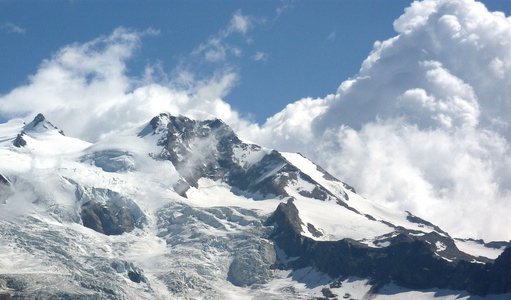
(182, 208)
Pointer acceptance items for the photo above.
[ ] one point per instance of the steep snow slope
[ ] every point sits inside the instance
(179, 208)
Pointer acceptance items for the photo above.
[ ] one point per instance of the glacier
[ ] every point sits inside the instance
(185, 209)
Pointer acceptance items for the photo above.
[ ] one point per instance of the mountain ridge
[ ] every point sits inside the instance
(189, 184)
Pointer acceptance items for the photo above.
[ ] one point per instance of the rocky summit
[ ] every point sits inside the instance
(186, 209)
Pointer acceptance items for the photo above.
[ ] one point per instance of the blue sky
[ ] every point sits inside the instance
(305, 48)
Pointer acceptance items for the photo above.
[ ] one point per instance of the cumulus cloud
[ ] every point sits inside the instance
(424, 125)
(11, 28)
(84, 88)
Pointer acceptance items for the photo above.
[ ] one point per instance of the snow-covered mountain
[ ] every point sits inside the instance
(181, 208)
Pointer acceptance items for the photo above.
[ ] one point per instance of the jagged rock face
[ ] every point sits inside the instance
(107, 218)
(199, 148)
(210, 149)
(409, 261)
(19, 141)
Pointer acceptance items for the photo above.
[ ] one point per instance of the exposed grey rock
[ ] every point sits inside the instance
(119, 204)
(499, 280)
(328, 293)
(134, 276)
(19, 141)
(38, 124)
(203, 246)
(107, 218)
(313, 230)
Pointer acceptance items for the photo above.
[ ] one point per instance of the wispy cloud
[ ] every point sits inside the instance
(219, 46)
(11, 28)
(281, 9)
(239, 23)
(331, 36)
(260, 56)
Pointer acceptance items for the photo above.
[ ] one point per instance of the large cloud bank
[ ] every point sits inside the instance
(424, 125)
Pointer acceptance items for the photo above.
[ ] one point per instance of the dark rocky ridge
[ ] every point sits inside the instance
(205, 149)
(409, 261)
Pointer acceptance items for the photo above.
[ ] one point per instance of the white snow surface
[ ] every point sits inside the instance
(477, 249)
(249, 156)
(336, 221)
(187, 244)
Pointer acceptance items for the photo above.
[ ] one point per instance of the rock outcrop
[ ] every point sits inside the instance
(107, 218)
(408, 261)
(211, 149)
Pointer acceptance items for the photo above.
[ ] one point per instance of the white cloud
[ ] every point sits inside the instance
(85, 90)
(9, 27)
(424, 125)
(218, 47)
(331, 36)
(260, 56)
(239, 23)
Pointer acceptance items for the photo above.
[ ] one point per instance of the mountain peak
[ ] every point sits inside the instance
(156, 125)
(40, 124)
(38, 119)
